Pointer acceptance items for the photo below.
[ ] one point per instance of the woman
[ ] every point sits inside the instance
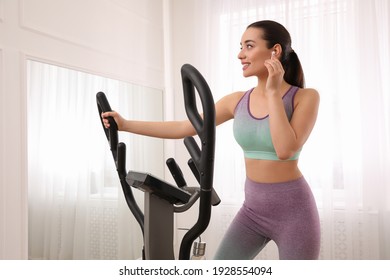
(271, 123)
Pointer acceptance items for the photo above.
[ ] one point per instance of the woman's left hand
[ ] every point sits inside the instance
(275, 75)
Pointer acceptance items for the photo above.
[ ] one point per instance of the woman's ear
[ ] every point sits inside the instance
(277, 51)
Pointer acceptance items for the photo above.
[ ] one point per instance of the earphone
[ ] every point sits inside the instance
(273, 53)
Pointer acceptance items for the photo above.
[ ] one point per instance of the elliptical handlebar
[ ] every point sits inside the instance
(119, 154)
(112, 132)
(203, 157)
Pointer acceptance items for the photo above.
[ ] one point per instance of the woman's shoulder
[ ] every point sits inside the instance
(237, 95)
(233, 98)
(226, 106)
(307, 95)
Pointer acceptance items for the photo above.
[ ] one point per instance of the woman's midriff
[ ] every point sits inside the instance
(270, 171)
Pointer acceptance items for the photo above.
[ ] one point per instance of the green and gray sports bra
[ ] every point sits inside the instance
(253, 134)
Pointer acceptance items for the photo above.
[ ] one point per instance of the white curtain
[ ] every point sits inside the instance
(343, 46)
(76, 205)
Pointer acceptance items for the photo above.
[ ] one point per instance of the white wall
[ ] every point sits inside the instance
(120, 39)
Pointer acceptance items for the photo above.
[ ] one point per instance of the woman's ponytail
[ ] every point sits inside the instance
(293, 72)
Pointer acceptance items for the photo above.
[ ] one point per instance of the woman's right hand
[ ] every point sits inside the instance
(117, 117)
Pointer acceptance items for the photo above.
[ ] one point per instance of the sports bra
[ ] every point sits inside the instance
(253, 134)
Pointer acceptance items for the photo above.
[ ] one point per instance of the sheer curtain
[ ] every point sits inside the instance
(76, 206)
(343, 46)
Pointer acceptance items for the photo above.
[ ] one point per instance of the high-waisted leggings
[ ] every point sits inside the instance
(283, 212)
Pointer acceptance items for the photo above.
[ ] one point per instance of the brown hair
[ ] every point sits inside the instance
(275, 33)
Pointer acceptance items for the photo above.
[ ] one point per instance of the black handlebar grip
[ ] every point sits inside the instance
(176, 172)
(121, 160)
(112, 132)
(193, 149)
(194, 170)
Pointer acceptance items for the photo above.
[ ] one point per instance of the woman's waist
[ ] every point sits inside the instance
(269, 171)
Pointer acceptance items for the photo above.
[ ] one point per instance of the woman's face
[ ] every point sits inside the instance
(253, 53)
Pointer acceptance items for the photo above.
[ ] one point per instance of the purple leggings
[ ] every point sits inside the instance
(283, 212)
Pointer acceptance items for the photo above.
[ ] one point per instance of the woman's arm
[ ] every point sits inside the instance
(289, 136)
(166, 130)
(224, 109)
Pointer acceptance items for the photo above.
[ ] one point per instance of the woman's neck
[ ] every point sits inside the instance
(261, 86)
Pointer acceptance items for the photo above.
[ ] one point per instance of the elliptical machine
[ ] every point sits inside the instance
(162, 199)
